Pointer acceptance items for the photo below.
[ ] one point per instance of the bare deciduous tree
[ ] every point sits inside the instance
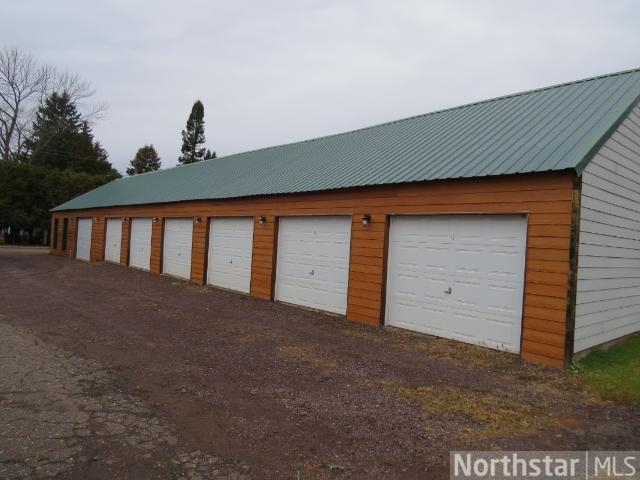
(24, 85)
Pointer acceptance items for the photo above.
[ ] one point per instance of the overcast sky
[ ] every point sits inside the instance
(273, 72)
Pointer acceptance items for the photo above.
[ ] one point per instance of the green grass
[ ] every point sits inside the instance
(614, 373)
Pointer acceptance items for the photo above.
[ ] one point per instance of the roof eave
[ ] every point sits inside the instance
(582, 164)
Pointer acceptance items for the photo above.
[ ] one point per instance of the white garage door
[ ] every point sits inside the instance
(113, 239)
(459, 277)
(230, 251)
(176, 256)
(83, 244)
(140, 245)
(313, 262)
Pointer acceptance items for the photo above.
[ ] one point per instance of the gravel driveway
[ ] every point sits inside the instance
(110, 372)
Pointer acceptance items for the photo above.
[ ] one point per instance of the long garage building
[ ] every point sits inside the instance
(512, 223)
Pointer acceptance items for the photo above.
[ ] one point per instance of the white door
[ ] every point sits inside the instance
(459, 277)
(113, 239)
(313, 262)
(140, 244)
(83, 243)
(176, 252)
(230, 252)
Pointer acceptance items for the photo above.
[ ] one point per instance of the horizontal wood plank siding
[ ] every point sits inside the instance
(124, 243)
(199, 251)
(366, 272)
(264, 257)
(546, 198)
(157, 235)
(72, 237)
(98, 233)
(608, 287)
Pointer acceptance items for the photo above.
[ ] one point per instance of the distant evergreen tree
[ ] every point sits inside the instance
(193, 139)
(63, 141)
(146, 160)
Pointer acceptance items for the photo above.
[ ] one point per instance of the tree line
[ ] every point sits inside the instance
(48, 153)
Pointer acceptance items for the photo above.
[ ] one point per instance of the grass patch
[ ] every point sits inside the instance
(465, 353)
(614, 373)
(306, 354)
(486, 415)
(494, 417)
(435, 347)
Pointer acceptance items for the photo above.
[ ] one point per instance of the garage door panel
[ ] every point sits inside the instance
(83, 239)
(113, 240)
(178, 240)
(230, 253)
(313, 262)
(140, 243)
(481, 258)
(422, 317)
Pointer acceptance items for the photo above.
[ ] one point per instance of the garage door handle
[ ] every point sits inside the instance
(448, 292)
(311, 272)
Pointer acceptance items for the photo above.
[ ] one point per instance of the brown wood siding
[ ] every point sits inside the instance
(62, 243)
(124, 242)
(264, 257)
(72, 237)
(199, 251)
(157, 236)
(366, 271)
(546, 198)
(98, 239)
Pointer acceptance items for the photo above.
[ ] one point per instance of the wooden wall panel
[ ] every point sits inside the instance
(98, 238)
(264, 257)
(125, 241)
(546, 198)
(367, 269)
(63, 245)
(199, 251)
(72, 237)
(157, 237)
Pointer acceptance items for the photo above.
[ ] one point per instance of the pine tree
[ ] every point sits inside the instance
(209, 155)
(55, 129)
(193, 149)
(146, 160)
(62, 140)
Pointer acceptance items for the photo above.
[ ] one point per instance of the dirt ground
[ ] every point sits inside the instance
(266, 390)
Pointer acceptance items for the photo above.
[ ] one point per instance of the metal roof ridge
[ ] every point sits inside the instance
(378, 125)
(434, 112)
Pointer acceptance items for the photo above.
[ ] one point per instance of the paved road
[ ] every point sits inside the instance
(63, 415)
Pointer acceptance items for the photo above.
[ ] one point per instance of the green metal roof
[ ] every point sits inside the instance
(553, 128)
